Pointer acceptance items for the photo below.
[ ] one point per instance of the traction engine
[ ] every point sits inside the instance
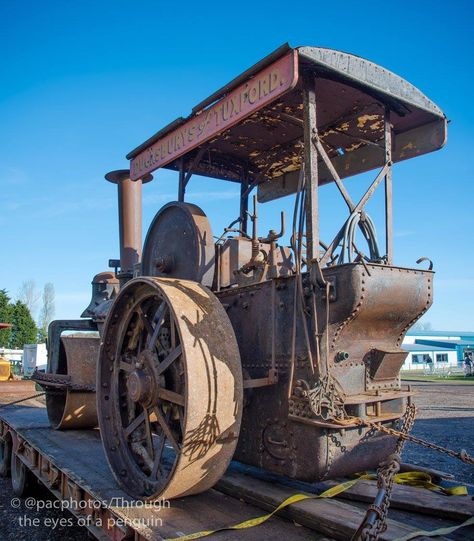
(271, 350)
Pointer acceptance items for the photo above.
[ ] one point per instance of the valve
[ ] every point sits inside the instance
(342, 356)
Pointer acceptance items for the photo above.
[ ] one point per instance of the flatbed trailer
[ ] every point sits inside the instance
(72, 465)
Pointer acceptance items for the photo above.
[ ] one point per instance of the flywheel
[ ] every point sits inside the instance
(179, 244)
(169, 388)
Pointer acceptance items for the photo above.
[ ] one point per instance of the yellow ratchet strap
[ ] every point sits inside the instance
(413, 479)
(439, 531)
(422, 480)
(330, 493)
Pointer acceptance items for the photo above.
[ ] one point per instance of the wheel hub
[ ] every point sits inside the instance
(139, 387)
(143, 383)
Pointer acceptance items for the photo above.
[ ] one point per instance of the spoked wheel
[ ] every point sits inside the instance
(169, 389)
(6, 446)
(22, 479)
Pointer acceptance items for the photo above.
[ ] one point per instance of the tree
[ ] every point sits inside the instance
(5, 317)
(47, 311)
(29, 295)
(24, 329)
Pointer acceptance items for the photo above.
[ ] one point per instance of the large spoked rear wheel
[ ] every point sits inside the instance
(169, 389)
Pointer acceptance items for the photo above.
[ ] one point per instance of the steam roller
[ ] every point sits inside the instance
(281, 350)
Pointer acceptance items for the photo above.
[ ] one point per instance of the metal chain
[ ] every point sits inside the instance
(60, 381)
(21, 400)
(374, 522)
(325, 398)
(462, 455)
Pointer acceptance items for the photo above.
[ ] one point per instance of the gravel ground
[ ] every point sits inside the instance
(46, 524)
(445, 416)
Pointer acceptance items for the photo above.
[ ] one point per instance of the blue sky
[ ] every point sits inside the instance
(82, 83)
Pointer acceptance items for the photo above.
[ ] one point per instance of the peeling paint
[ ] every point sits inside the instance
(376, 125)
(354, 146)
(362, 120)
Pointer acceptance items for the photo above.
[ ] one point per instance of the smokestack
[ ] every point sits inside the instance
(130, 218)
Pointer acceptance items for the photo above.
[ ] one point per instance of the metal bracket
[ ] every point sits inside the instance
(331, 280)
(271, 379)
(55, 329)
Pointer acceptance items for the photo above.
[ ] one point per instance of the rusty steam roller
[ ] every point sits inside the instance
(275, 349)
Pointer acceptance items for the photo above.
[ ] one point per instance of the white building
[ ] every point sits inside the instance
(444, 359)
(445, 348)
(33, 355)
(11, 354)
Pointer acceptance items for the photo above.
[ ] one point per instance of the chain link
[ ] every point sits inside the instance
(462, 455)
(374, 522)
(326, 398)
(59, 381)
(326, 401)
(21, 400)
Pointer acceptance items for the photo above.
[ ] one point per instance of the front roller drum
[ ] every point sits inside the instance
(70, 391)
(169, 388)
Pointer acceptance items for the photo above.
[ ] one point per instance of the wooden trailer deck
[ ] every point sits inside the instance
(72, 465)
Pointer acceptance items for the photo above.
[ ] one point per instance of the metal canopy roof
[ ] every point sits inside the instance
(364, 74)
(265, 146)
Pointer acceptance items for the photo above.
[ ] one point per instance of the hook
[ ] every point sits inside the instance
(425, 259)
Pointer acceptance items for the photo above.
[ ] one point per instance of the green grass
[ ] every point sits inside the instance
(438, 379)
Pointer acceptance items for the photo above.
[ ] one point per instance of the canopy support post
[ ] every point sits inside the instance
(182, 185)
(388, 188)
(244, 203)
(184, 176)
(310, 167)
(311, 177)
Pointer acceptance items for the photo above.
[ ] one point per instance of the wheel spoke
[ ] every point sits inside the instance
(158, 320)
(126, 367)
(166, 429)
(157, 460)
(145, 320)
(159, 450)
(135, 424)
(165, 364)
(172, 333)
(181, 419)
(149, 440)
(171, 396)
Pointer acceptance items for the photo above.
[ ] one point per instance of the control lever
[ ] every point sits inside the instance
(272, 234)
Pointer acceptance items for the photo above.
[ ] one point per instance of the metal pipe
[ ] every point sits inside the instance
(130, 217)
